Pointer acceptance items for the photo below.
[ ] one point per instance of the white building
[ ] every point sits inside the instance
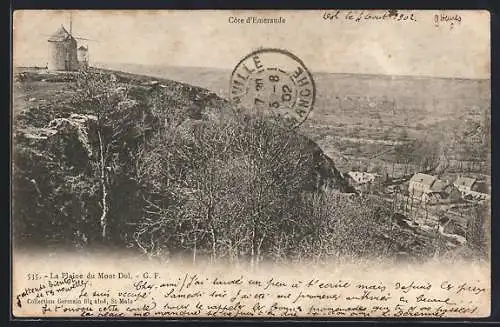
(470, 188)
(464, 184)
(359, 177)
(421, 183)
(430, 189)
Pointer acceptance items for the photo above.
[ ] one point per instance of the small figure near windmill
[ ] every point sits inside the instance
(64, 53)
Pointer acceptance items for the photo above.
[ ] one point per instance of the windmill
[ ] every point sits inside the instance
(64, 53)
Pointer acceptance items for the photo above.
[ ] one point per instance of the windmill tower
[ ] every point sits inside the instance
(63, 52)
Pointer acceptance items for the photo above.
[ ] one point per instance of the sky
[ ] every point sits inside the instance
(207, 39)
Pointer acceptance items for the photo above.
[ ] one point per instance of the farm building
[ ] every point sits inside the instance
(446, 190)
(472, 189)
(421, 183)
(358, 177)
(464, 183)
(62, 51)
(363, 181)
(431, 189)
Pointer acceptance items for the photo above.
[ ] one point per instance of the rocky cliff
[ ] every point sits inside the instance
(47, 116)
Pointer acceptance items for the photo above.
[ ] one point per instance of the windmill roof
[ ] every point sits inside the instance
(60, 35)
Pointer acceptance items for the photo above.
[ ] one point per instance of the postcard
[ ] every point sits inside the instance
(251, 163)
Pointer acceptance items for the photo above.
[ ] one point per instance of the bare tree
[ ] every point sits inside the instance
(102, 96)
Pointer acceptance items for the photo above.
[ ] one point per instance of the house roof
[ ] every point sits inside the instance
(481, 186)
(361, 177)
(423, 179)
(466, 182)
(434, 195)
(82, 47)
(60, 35)
(439, 185)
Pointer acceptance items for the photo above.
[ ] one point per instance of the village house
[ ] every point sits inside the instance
(446, 190)
(464, 184)
(421, 183)
(471, 189)
(363, 181)
(432, 190)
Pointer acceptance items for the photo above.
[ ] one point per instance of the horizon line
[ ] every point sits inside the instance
(315, 72)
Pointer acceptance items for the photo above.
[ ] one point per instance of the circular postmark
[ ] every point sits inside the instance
(276, 81)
